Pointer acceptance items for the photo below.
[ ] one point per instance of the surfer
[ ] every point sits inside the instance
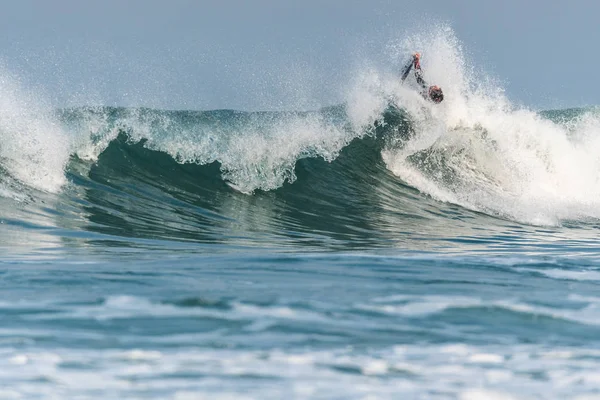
(434, 92)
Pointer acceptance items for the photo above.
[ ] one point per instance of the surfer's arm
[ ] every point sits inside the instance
(416, 63)
(418, 72)
(406, 70)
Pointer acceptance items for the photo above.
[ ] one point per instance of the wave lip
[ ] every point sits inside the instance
(255, 151)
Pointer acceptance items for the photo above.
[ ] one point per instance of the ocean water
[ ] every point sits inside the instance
(382, 248)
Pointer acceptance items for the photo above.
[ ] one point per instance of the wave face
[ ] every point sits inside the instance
(309, 179)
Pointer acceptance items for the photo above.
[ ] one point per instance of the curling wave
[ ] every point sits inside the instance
(383, 166)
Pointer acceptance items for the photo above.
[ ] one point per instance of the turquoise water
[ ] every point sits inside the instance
(177, 324)
(153, 275)
(382, 248)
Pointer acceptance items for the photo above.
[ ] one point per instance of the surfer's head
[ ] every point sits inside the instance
(435, 94)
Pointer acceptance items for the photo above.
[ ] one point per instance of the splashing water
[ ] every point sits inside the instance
(475, 149)
(33, 148)
(478, 150)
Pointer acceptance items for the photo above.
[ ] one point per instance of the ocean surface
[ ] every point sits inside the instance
(383, 248)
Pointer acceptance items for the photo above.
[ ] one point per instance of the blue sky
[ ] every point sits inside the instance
(278, 54)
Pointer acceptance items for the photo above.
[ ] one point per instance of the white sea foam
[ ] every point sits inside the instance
(195, 364)
(517, 372)
(479, 150)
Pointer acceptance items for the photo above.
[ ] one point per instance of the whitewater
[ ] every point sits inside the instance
(384, 247)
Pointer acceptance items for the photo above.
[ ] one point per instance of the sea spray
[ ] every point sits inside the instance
(34, 150)
(477, 149)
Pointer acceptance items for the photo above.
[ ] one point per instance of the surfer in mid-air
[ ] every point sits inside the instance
(434, 93)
